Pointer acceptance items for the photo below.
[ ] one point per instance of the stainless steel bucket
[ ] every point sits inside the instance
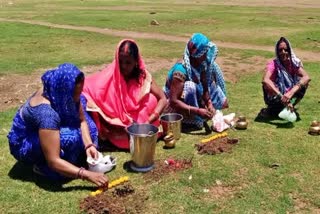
(143, 139)
(171, 123)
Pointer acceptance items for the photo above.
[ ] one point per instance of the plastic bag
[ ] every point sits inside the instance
(286, 114)
(221, 122)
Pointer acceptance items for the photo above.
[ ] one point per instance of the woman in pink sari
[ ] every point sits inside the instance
(123, 93)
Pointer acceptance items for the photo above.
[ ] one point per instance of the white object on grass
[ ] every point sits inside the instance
(222, 122)
(102, 164)
(286, 114)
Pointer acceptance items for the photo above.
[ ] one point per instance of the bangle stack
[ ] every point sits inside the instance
(80, 173)
(89, 145)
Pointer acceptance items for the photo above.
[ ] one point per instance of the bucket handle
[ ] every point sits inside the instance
(150, 133)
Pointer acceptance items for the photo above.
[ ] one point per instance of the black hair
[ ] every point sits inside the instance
(79, 78)
(133, 51)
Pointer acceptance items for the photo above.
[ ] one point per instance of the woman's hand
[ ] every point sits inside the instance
(153, 117)
(97, 178)
(210, 107)
(205, 113)
(92, 152)
(285, 99)
(290, 107)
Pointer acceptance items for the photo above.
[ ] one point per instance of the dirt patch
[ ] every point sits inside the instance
(125, 198)
(121, 200)
(219, 191)
(234, 67)
(216, 146)
(15, 89)
(303, 206)
(165, 167)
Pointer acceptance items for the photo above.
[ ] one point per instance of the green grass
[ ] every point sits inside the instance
(47, 47)
(249, 183)
(251, 25)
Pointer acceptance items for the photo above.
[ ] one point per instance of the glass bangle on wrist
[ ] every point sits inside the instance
(89, 145)
(80, 173)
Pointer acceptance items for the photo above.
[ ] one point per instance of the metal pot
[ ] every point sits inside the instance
(143, 139)
(242, 123)
(169, 140)
(314, 128)
(171, 122)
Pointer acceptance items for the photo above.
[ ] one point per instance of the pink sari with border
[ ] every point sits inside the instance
(116, 104)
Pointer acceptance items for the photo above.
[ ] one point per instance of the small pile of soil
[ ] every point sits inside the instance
(122, 192)
(163, 167)
(121, 200)
(216, 146)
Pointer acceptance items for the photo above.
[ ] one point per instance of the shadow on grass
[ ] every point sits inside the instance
(275, 120)
(24, 172)
(194, 130)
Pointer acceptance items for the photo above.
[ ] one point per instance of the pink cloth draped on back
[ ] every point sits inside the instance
(120, 103)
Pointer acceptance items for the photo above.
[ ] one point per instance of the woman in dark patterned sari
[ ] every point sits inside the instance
(284, 82)
(52, 131)
(195, 86)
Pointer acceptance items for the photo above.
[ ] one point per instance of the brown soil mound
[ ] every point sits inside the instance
(123, 199)
(216, 146)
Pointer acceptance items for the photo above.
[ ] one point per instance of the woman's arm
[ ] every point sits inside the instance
(86, 138)
(269, 84)
(162, 101)
(206, 96)
(50, 145)
(304, 81)
(176, 90)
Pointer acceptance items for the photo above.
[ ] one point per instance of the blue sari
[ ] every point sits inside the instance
(62, 114)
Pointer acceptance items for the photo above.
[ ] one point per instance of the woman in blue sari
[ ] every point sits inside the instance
(195, 86)
(285, 80)
(52, 131)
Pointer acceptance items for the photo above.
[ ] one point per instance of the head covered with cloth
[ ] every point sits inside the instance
(52, 132)
(285, 81)
(124, 93)
(198, 81)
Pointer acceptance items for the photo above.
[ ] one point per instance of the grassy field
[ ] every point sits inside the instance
(243, 181)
